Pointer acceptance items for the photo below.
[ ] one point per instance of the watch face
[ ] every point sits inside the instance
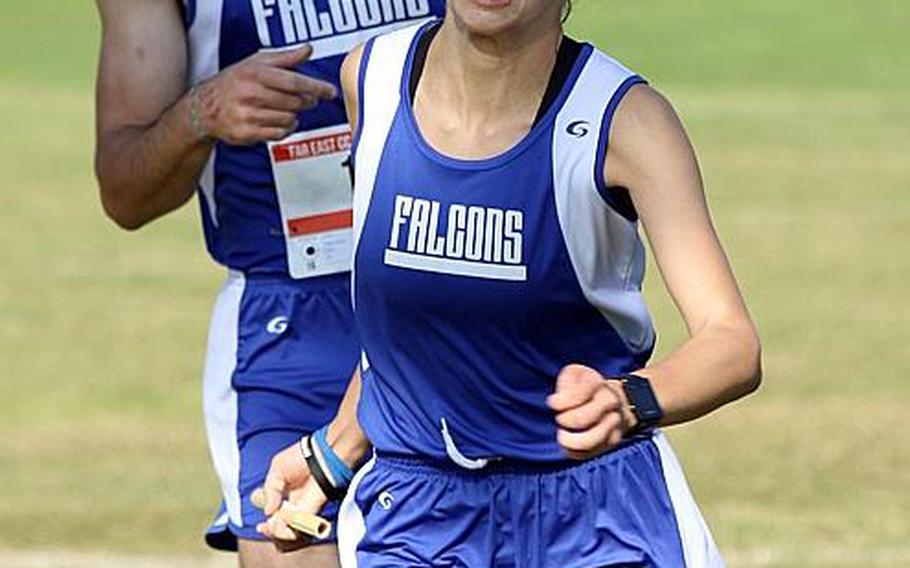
(641, 396)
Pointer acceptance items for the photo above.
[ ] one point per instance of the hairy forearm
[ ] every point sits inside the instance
(345, 435)
(719, 364)
(146, 171)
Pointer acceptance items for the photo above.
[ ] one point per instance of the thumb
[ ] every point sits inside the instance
(574, 386)
(288, 58)
(274, 494)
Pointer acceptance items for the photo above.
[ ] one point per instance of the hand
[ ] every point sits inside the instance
(592, 413)
(258, 98)
(289, 478)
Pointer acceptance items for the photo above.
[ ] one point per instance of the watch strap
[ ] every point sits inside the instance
(642, 402)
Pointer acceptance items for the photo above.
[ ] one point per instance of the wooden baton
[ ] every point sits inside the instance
(301, 521)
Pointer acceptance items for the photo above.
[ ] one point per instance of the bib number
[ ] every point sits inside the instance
(313, 183)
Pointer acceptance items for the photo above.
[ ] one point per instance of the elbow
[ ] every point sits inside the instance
(122, 214)
(750, 358)
(114, 201)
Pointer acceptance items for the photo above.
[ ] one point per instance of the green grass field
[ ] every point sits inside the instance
(801, 115)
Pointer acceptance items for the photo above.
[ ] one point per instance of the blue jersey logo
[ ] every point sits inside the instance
(302, 21)
(579, 128)
(463, 240)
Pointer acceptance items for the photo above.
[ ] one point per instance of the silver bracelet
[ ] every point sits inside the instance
(196, 116)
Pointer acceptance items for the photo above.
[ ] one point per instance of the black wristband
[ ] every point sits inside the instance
(642, 402)
(317, 471)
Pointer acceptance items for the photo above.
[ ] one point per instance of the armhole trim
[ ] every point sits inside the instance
(188, 8)
(616, 197)
(361, 84)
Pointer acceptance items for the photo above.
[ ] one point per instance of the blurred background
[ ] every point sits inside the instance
(801, 115)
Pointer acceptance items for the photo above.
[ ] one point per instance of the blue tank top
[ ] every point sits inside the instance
(476, 282)
(240, 211)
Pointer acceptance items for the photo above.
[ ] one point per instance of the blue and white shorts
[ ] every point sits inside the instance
(629, 508)
(280, 356)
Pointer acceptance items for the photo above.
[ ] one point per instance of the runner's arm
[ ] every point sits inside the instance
(345, 435)
(650, 154)
(150, 151)
(289, 477)
(148, 157)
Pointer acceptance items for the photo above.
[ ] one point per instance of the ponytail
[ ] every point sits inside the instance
(567, 11)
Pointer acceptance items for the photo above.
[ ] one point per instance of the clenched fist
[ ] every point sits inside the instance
(592, 413)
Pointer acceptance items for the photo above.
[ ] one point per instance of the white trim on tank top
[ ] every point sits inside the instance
(204, 39)
(605, 248)
(381, 97)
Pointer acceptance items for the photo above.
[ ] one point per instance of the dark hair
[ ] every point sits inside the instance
(567, 10)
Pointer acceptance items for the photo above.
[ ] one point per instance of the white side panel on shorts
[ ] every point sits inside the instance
(222, 521)
(204, 62)
(604, 247)
(219, 398)
(351, 524)
(381, 98)
(207, 185)
(698, 544)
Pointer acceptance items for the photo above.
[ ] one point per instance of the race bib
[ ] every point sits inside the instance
(313, 183)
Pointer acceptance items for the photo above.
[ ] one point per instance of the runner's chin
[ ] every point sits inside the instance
(503, 17)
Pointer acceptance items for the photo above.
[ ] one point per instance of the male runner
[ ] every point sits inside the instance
(237, 99)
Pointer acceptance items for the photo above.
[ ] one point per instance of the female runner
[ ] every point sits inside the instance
(502, 172)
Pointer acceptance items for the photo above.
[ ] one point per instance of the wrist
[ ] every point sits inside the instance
(325, 466)
(195, 112)
(348, 444)
(642, 402)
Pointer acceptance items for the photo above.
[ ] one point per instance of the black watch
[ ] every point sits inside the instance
(642, 402)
